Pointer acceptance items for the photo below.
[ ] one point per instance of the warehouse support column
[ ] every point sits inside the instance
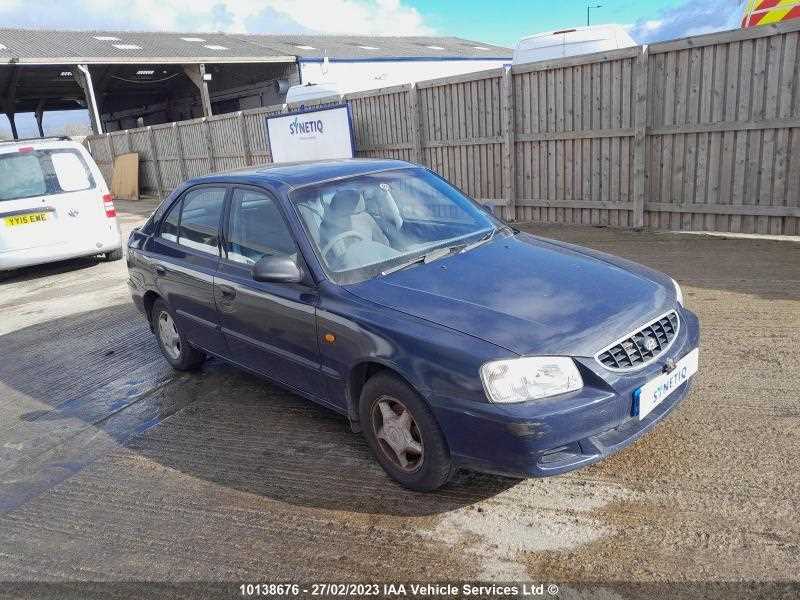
(12, 122)
(84, 78)
(9, 99)
(197, 74)
(39, 114)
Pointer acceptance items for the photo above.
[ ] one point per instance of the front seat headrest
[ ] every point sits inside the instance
(344, 203)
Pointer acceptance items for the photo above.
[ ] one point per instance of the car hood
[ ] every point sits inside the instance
(528, 295)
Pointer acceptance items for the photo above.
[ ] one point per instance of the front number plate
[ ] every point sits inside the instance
(25, 219)
(655, 391)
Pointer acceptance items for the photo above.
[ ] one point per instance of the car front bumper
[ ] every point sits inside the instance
(556, 435)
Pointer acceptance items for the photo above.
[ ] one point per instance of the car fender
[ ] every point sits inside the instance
(433, 359)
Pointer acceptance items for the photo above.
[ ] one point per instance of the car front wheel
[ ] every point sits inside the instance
(403, 434)
(176, 349)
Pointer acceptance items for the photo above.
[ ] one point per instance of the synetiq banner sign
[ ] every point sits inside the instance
(312, 134)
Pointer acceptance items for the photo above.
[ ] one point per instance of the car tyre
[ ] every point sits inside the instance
(114, 255)
(411, 447)
(174, 345)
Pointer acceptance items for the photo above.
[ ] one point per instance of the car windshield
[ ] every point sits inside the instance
(369, 225)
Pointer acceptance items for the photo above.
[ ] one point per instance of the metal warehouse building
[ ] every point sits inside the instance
(129, 79)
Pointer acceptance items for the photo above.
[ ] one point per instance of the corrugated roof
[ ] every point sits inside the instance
(36, 46)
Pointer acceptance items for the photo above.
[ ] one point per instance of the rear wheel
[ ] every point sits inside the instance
(403, 434)
(114, 255)
(176, 349)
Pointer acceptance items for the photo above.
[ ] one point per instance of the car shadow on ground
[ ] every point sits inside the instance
(220, 424)
(763, 268)
(48, 269)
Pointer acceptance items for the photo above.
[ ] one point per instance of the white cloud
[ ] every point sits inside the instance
(328, 16)
(689, 18)
(653, 25)
(389, 17)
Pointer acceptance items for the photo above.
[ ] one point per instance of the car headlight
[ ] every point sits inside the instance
(529, 378)
(678, 292)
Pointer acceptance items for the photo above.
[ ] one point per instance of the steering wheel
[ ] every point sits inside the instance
(342, 236)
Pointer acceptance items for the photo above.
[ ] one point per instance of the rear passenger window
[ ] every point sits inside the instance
(70, 172)
(194, 220)
(257, 229)
(29, 173)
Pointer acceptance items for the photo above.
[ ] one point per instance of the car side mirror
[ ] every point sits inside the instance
(277, 269)
(489, 208)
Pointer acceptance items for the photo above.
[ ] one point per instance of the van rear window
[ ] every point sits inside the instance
(42, 173)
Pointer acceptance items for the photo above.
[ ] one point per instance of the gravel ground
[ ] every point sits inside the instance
(112, 467)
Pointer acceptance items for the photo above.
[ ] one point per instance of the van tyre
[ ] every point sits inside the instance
(114, 255)
(174, 345)
(403, 434)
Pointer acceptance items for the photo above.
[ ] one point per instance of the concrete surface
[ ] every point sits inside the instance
(114, 467)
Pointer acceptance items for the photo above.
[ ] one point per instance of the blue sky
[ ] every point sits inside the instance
(500, 22)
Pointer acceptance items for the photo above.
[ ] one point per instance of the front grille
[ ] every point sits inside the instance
(642, 346)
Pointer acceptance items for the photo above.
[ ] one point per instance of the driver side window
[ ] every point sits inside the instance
(256, 228)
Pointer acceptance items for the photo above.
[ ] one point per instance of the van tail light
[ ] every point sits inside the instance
(108, 204)
(25, 149)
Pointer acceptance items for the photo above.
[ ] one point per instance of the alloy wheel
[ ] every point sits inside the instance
(397, 433)
(168, 333)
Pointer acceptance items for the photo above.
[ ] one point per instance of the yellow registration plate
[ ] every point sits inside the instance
(25, 219)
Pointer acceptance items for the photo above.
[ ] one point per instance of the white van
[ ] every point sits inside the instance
(571, 42)
(54, 205)
(309, 92)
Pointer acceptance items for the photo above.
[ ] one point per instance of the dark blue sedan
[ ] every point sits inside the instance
(450, 339)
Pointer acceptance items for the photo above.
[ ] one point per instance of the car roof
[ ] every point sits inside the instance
(7, 146)
(298, 174)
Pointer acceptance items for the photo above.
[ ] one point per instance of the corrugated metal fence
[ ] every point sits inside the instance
(699, 133)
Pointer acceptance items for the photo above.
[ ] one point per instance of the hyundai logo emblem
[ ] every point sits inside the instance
(650, 344)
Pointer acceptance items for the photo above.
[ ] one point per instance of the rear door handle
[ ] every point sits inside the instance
(161, 270)
(228, 293)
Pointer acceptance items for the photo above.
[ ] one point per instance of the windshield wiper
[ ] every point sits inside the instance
(479, 242)
(424, 258)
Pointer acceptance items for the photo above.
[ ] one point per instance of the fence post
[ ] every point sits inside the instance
(415, 129)
(508, 123)
(179, 147)
(212, 163)
(248, 154)
(156, 162)
(128, 140)
(110, 146)
(110, 149)
(640, 138)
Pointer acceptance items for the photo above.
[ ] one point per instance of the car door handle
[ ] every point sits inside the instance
(161, 270)
(228, 293)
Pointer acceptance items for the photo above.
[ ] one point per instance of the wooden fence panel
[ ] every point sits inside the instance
(574, 139)
(169, 159)
(195, 148)
(722, 130)
(227, 143)
(695, 134)
(382, 123)
(140, 143)
(461, 132)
